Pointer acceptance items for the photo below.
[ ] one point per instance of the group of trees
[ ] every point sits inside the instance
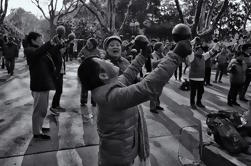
(156, 17)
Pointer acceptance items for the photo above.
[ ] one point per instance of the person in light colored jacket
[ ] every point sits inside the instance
(120, 122)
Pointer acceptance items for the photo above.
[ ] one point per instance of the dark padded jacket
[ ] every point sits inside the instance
(41, 66)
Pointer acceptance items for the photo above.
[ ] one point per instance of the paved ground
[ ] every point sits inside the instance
(74, 138)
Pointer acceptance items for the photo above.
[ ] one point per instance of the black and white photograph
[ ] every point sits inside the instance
(125, 82)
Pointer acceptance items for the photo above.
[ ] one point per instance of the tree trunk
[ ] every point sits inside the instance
(197, 18)
(180, 11)
(210, 30)
(246, 19)
(52, 28)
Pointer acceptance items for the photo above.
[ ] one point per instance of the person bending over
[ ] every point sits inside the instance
(120, 123)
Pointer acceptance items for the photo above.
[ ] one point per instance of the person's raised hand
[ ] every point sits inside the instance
(141, 42)
(183, 48)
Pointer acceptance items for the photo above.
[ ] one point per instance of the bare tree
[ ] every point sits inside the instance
(3, 10)
(106, 14)
(68, 6)
(247, 8)
(210, 23)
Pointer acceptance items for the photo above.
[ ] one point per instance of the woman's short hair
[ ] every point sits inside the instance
(32, 36)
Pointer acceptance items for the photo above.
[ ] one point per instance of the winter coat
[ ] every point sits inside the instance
(118, 116)
(10, 50)
(156, 58)
(237, 71)
(57, 59)
(121, 62)
(41, 66)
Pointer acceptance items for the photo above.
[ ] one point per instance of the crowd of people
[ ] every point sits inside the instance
(121, 74)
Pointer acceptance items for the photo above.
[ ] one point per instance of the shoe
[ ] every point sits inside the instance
(42, 137)
(45, 130)
(209, 84)
(243, 99)
(201, 105)
(193, 106)
(60, 109)
(83, 105)
(54, 111)
(154, 111)
(235, 103)
(215, 82)
(220, 81)
(159, 108)
(230, 104)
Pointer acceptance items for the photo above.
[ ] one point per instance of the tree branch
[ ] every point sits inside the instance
(3, 11)
(209, 15)
(126, 15)
(197, 18)
(68, 10)
(214, 24)
(36, 2)
(96, 15)
(180, 11)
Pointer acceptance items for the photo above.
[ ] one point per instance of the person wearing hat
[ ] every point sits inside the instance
(57, 54)
(112, 47)
(197, 71)
(90, 49)
(121, 125)
(246, 50)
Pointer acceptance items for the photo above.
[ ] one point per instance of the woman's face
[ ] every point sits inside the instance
(114, 49)
(89, 45)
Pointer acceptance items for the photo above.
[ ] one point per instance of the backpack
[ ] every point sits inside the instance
(185, 86)
(223, 127)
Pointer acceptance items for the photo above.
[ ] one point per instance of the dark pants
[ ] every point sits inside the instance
(197, 87)
(233, 92)
(180, 72)
(3, 64)
(84, 97)
(10, 65)
(220, 71)
(208, 75)
(154, 102)
(245, 86)
(58, 93)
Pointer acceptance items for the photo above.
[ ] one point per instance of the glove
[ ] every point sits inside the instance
(141, 42)
(147, 51)
(183, 48)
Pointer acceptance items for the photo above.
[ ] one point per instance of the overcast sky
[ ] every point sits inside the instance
(29, 6)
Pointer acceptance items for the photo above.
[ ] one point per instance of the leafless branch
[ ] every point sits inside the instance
(95, 13)
(36, 2)
(126, 15)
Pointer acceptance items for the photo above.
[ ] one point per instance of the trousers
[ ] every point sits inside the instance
(41, 101)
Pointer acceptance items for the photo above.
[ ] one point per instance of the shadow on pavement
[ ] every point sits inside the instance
(36, 147)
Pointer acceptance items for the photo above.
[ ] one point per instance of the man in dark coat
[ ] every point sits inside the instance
(42, 71)
(10, 53)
